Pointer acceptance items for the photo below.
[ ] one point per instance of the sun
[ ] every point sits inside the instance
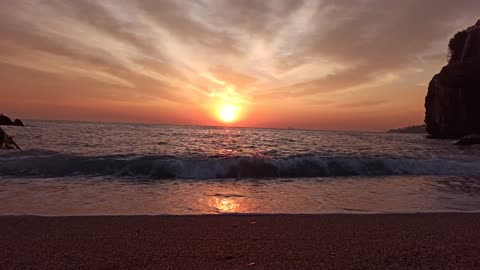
(227, 113)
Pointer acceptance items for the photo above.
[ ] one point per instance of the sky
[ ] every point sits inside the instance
(326, 64)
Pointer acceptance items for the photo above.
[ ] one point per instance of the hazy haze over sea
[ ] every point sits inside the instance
(80, 168)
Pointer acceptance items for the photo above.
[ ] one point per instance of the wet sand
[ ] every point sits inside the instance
(400, 241)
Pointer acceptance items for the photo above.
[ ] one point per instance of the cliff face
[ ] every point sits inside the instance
(453, 100)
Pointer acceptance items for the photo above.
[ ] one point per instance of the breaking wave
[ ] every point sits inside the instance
(39, 163)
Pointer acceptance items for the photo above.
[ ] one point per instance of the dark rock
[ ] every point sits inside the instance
(6, 141)
(421, 129)
(18, 122)
(469, 140)
(453, 100)
(6, 121)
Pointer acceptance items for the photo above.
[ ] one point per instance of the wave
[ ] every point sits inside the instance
(39, 163)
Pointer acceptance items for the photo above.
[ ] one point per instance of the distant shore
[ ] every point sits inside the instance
(397, 241)
(419, 129)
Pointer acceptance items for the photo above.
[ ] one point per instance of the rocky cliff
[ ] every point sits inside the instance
(453, 100)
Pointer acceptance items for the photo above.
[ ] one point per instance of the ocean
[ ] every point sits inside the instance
(84, 168)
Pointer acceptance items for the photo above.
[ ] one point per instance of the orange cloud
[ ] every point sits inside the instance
(313, 64)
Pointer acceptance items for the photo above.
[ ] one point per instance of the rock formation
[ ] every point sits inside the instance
(453, 100)
(18, 122)
(6, 121)
(469, 140)
(6, 141)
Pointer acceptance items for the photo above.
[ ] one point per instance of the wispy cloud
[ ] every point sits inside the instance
(188, 52)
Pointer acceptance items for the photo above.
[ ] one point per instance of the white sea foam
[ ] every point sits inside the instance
(50, 164)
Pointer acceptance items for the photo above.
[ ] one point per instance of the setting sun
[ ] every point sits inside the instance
(227, 113)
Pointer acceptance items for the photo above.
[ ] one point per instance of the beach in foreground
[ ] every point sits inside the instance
(393, 241)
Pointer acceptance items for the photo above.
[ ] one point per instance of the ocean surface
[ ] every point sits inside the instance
(82, 168)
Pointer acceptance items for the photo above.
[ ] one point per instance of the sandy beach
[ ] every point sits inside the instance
(398, 241)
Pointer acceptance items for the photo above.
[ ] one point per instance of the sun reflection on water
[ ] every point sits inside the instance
(225, 205)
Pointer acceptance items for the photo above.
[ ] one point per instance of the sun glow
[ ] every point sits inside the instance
(227, 113)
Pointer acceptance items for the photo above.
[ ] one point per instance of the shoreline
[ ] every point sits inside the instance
(252, 214)
(245, 241)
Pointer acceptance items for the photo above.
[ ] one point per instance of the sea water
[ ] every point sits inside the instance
(83, 168)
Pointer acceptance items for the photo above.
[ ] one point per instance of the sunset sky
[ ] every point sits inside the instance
(350, 65)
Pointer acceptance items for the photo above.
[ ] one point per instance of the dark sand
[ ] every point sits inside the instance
(413, 241)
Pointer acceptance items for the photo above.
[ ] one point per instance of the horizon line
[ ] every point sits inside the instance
(199, 125)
